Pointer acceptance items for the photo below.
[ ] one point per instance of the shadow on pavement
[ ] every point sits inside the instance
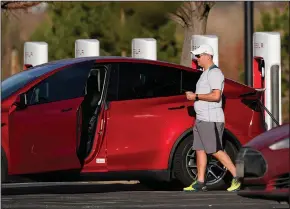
(72, 188)
(280, 197)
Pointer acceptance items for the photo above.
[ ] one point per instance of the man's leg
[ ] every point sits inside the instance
(211, 137)
(220, 154)
(224, 157)
(201, 161)
(226, 161)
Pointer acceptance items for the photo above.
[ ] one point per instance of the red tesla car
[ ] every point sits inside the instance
(114, 115)
(263, 164)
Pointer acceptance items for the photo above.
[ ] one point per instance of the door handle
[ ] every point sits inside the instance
(66, 110)
(176, 108)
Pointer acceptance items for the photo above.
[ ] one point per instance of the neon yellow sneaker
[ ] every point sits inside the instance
(195, 187)
(236, 185)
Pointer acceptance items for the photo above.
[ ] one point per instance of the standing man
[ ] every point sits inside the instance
(209, 124)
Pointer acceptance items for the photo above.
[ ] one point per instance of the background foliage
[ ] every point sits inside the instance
(114, 24)
(279, 21)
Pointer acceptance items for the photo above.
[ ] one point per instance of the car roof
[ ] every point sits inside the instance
(115, 58)
(104, 59)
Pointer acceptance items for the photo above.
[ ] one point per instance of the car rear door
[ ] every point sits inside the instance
(43, 136)
(141, 116)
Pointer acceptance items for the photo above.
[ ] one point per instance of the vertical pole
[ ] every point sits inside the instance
(249, 29)
(275, 93)
(14, 62)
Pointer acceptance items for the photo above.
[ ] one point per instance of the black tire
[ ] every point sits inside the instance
(179, 164)
(4, 167)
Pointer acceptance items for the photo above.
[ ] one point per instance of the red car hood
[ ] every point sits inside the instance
(269, 137)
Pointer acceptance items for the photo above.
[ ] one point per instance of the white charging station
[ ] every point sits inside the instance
(144, 48)
(212, 40)
(35, 53)
(267, 72)
(87, 48)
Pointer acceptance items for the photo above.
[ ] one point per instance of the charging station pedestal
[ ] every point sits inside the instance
(35, 53)
(197, 40)
(87, 48)
(144, 48)
(267, 73)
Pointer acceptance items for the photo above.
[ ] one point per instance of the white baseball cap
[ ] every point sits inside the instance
(203, 49)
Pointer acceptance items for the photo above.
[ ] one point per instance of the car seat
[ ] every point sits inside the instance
(88, 108)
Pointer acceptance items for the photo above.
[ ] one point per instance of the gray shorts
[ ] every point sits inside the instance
(208, 136)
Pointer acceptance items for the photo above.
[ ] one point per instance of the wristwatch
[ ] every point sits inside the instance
(196, 97)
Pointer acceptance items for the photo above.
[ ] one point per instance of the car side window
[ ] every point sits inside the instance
(112, 92)
(189, 80)
(68, 83)
(140, 81)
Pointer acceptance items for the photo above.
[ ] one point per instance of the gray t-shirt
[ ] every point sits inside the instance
(210, 79)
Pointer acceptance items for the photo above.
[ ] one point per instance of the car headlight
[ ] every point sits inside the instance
(283, 144)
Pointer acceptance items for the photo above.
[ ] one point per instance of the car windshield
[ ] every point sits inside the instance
(19, 80)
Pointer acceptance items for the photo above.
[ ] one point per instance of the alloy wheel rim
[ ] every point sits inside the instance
(215, 171)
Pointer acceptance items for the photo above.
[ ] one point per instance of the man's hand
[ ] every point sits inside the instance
(190, 95)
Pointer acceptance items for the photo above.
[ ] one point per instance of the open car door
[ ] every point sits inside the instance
(92, 114)
(43, 128)
(42, 137)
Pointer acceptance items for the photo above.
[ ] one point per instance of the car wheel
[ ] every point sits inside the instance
(4, 167)
(185, 169)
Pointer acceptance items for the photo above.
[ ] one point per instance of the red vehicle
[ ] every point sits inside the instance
(263, 164)
(114, 115)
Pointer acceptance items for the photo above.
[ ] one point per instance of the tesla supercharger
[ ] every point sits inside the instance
(87, 48)
(35, 53)
(144, 48)
(197, 40)
(267, 73)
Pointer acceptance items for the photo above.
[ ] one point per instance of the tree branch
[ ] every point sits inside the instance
(13, 5)
(189, 10)
(192, 16)
(185, 11)
(177, 18)
(4, 5)
(210, 4)
(207, 8)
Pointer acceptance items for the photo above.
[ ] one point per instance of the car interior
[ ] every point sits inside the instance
(90, 111)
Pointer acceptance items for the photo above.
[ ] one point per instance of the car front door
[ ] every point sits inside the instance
(43, 136)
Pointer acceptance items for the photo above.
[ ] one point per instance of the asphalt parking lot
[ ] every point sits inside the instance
(125, 196)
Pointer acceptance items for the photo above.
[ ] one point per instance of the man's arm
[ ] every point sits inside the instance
(216, 80)
(214, 96)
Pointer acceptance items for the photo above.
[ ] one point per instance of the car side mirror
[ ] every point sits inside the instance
(21, 101)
